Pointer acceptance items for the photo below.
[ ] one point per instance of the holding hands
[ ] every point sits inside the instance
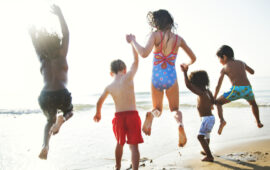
(130, 37)
(184, 67)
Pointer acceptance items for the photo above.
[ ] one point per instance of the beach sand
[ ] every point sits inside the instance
(248, 155)
(84, 145)
(242, 156)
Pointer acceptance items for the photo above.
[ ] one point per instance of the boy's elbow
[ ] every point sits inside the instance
(194, 59)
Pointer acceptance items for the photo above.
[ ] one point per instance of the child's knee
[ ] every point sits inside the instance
(51, 119)
(200, 137)
(174, 108)
(134, 148)
(156, 112)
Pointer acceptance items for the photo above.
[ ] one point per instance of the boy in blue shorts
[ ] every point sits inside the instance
(198, 82)
(241, 87)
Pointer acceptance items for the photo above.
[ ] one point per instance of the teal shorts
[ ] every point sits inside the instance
(239, 92)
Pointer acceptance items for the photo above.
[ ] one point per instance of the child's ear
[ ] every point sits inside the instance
(225, 57)
(125, 71)
(112, 74)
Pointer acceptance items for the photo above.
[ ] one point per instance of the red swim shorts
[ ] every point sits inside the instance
(127, 124)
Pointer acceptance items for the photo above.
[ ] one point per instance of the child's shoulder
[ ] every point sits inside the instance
(241, 61)
(159, 33)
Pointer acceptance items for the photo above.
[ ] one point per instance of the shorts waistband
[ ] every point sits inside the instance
(208, 116)
(53, 91)
(126, 112)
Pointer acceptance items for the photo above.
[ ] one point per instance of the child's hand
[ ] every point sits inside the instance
(97, 117)
(184, 67)
(130, 37)
(56, 10)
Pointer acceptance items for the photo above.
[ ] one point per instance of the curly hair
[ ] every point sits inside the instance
(199, 78)
(161, 20)
(45, 43)
(117, 65)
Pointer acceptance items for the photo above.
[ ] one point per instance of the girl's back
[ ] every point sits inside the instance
(169, 42)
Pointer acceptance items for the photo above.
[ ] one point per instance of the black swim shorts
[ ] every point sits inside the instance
(51, 101)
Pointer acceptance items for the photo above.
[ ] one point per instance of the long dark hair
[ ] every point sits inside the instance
(160, 20)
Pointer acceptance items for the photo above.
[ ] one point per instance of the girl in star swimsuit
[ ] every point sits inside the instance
(164, 79)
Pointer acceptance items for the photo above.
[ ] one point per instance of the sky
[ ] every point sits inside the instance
(97, 36)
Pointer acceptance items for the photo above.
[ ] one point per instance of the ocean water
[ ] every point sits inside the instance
(84, 144)
(25, 104)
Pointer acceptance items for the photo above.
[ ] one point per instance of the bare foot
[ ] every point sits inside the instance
(56, 127)
(203, 153)
(260, 125)
(115, 168)
(147, 123)
(182, 137)
(68, 115)
(208, 159)
(221, 126)
(44, 152)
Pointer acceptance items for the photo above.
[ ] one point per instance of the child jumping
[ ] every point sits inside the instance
(241, 87)
(164, 78)
(126, 123)
(52, 53)
(198, 83)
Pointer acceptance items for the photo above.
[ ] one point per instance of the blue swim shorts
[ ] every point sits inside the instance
(207, 126)
(239, 92)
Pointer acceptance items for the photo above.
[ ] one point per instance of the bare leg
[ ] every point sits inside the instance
(60, 120)
(173, 97)
(208, 141)
(205, 145)
(118, 155)
(148, 123)
(157, 99)
(255, 111)
(44, 152)
(220, 101)
(135, 156)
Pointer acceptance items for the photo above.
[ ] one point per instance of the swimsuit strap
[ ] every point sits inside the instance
(162, 43)
(174, 44)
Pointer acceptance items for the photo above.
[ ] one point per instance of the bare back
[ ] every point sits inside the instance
(236, 71)
(54, 71)
(205, 103)
(122, 92)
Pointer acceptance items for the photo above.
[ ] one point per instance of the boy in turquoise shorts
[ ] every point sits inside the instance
(241, 87)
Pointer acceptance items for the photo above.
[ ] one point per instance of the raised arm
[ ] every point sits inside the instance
(189, 52)
(144, 51)
(100, 102)
(249, 69)
(65, 40)
(189, 85)
(134, 67)
(222, 73)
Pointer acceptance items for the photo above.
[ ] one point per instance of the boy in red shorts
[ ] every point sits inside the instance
(127, 122)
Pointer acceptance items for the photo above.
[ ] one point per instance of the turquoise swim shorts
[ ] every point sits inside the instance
(239, 92)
